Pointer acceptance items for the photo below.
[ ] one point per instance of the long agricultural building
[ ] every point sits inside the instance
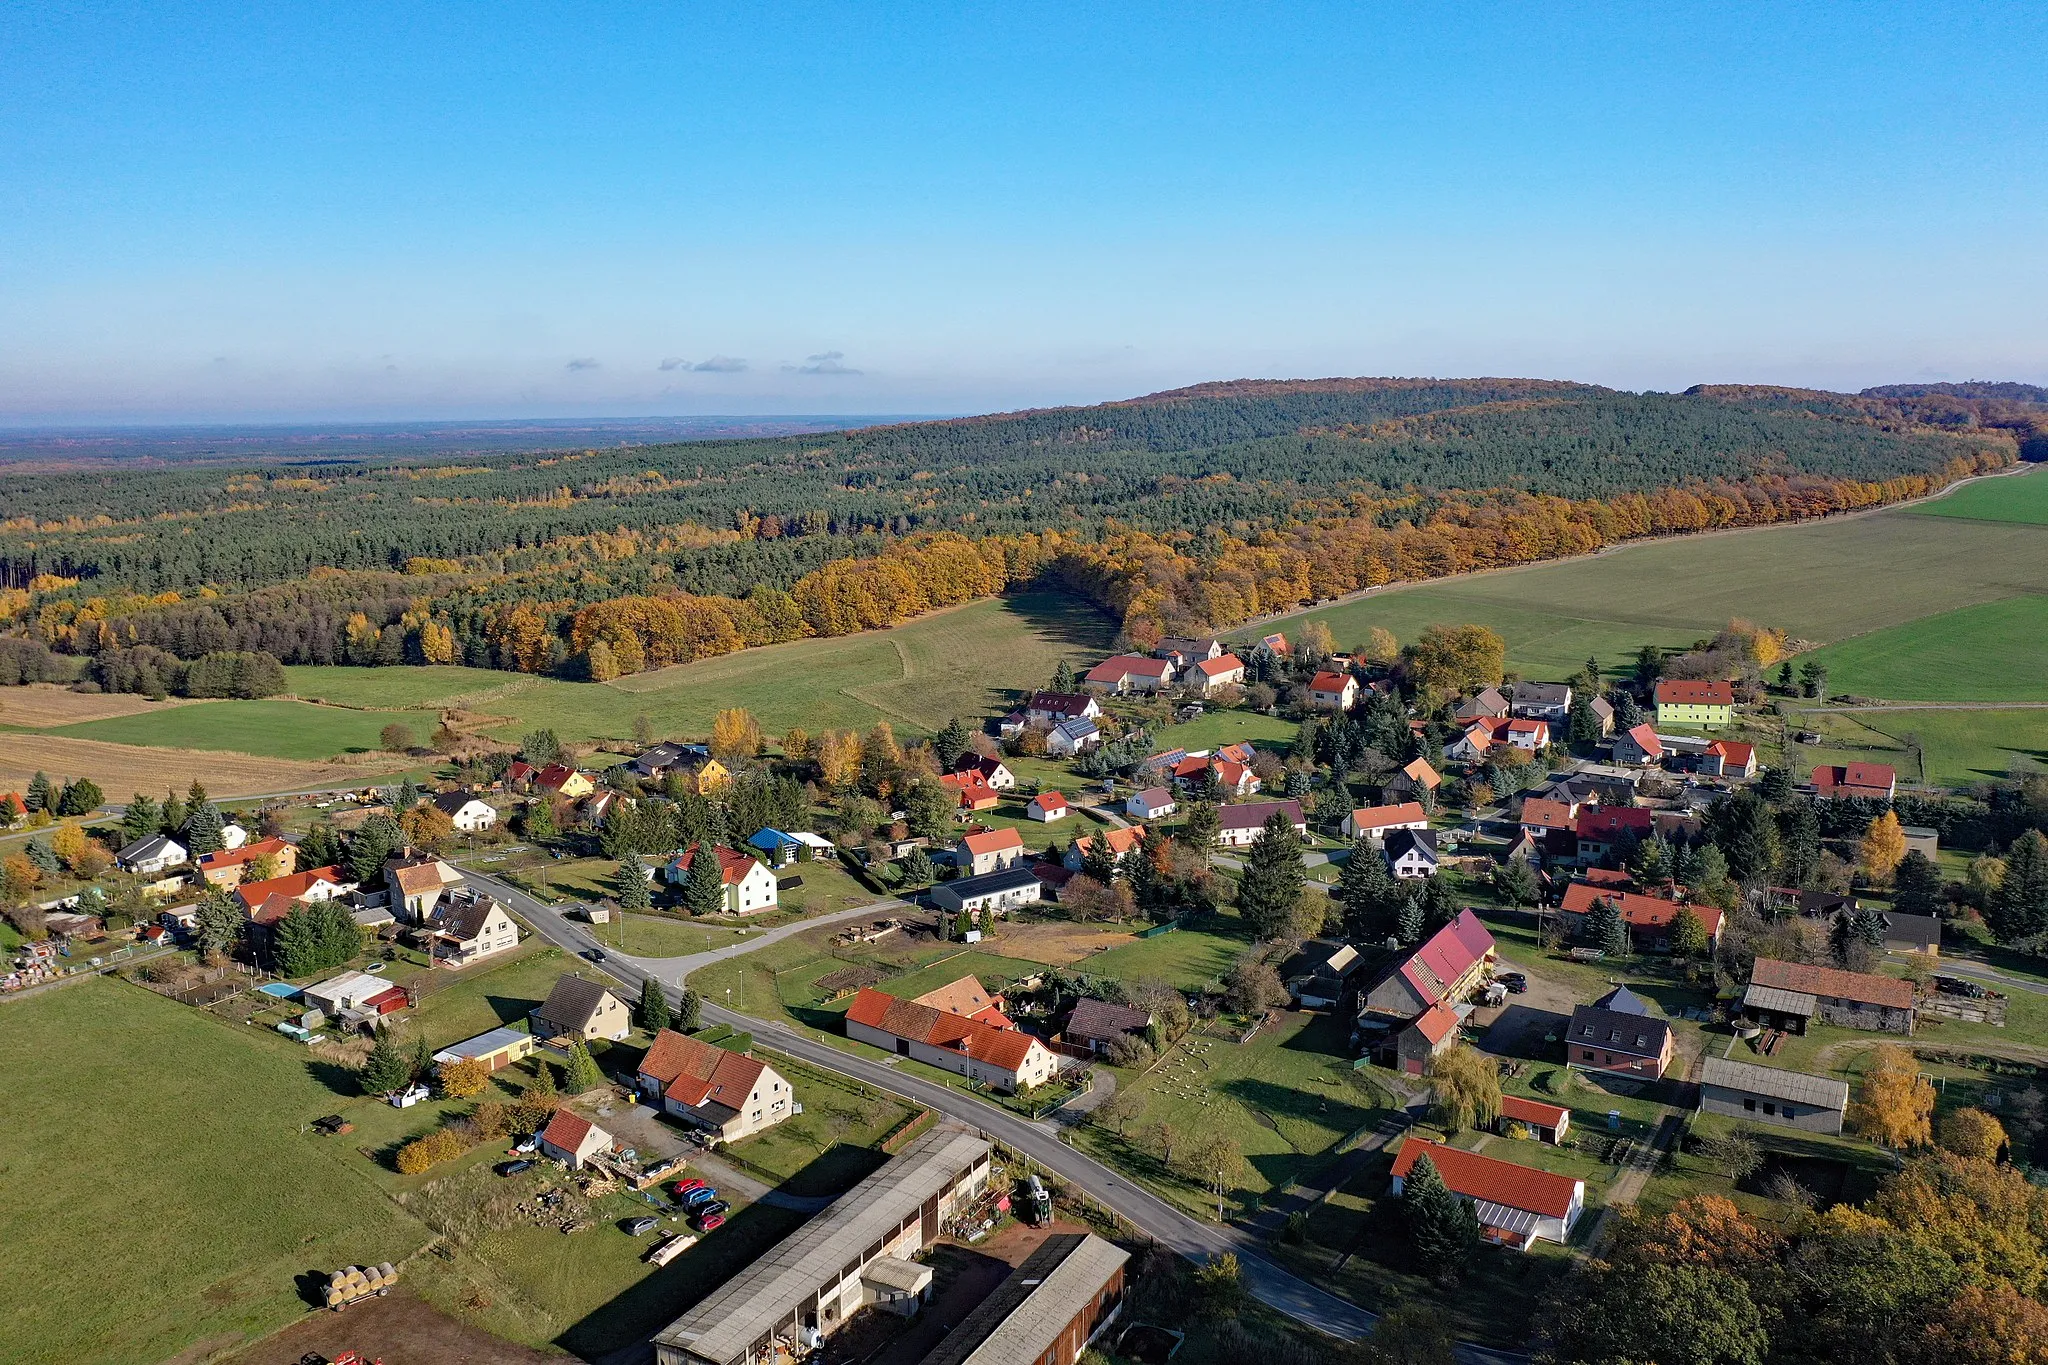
(854, 1254)
(1064, 1295)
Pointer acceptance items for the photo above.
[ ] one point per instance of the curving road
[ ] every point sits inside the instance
(1266, 1280)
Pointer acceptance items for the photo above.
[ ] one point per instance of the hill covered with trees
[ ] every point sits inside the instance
(1191, 509)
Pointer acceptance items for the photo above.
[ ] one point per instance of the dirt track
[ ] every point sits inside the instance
(401, 1329)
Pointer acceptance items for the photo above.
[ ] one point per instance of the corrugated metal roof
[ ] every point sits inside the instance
(1780, 1001)
(1819, 1091)
(1021, 1320)
(767, 1294)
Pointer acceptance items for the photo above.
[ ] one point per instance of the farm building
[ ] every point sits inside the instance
(858, 1252)
(1095, 1024)
(1516, 1205)
(1319, 974)
(1065, 1295)
(1766, 1094)
(573, 1140)
(995, 1055)
(1787, 995)
(1443, 970)
(1549, 1122)
(1432, 1033)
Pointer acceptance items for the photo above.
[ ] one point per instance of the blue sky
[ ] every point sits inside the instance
(273, 212)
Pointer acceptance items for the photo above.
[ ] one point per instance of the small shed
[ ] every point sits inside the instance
(1549, 1122)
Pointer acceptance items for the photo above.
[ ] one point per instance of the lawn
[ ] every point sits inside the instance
(2016, 497)
(1190, 959)
(1814, 581)
(1287, 1098)
(1995, 651)
(274, 729)
(140, 1221)
(646, 936)
(1957, 748)
(970, 662)
(1216, 728)
(831, 1146)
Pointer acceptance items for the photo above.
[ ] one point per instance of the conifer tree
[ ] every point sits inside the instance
(1408, 921)
(386, 1068)
(704, 889)
(1270, 887)
(633, 891)
(653, 1006)
(1442, 1228)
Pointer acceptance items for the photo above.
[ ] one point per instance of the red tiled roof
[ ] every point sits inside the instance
(1597, 822)
(1446, 956)
(983, 1041)
(1228, 663)
(696, 1073)
(1833, 982)
(553, 776)
(1493, 1180)
(1420, 771)
(566, 1130)
(1050, 801)
(1122, 666)
(974, 790)
(1734, 753)
(993, 841)
(1685, 692)
(1646, 740)
(1436, 1023)
(1532, 1111)
(1637, 911)
(1542, 813)
(1328, 682)
(292, 886)
(1607, 876)
(733, 866)
(1380, 817)
(1857, 779)
(234, 857)
(1121, 841)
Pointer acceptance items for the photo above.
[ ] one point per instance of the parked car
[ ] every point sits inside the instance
(716, 1207)
(525, 1145)
(706, 1222)
(683, 1187)
(700, 1196)
(1514, 981)
(514, 1167)
(640, 1226)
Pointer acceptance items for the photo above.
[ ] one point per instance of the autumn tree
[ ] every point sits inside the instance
(464, 1079)
(1973, 1133)
(1214, 1161)
(1883, 847)
(1897, 1105)
(1380, 645)
(1252, 986)
(427, 826)
(396, 738)
(735, 734)
(1456, 658)
(1467, 1084)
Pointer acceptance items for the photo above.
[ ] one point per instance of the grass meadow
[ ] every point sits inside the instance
(2017, 497)
(1996, 651)
(140, 1222)
(1928, 747)
(275, 729)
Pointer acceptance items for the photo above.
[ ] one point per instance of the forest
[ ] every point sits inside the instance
(1194, 509)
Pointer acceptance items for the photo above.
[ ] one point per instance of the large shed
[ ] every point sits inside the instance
(1768, 1094)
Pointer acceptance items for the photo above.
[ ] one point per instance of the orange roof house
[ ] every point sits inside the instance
(968, 998)
(267, 902)
(1516, 1204)
(1647, 917)
(1430, 1034)
(572, 1139)
(227, 866)
(972, 789)
(1877, 781)
(724, 1091)
(1005, 1058)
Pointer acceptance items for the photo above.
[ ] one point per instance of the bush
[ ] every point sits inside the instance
(465, 1079)
(491, 1120)
(424, 1153)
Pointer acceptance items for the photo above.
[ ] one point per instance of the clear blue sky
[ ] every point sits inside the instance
(296, 211)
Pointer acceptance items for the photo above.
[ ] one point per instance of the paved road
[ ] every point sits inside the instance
(1144, 1210)
(1963, 966)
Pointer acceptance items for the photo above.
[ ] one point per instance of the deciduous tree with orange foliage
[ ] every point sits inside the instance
(1883, 847)
(1897, 1104)
(735, 734)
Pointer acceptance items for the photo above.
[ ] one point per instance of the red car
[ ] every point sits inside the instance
(683, 1187)
(710, 1221)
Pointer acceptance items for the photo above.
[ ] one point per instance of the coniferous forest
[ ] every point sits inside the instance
(1188, 510)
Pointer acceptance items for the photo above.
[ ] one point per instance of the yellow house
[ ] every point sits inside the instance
(712, 776)
(1683, 702)
(559, 777)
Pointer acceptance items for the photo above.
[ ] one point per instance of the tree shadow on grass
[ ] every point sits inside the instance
(510, 1009)
(336, 1077)
(1068, 619)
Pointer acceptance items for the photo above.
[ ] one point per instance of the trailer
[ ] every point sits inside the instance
(359, 1282)
(661, 1253)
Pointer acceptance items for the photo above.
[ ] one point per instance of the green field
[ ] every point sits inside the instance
(274, 729)
(1957, 748)
(141, 1222)
(1997, 651)
(1191, 959)
(2018, 497)
(1822, 581)
(1286, 1098)
(967, 662)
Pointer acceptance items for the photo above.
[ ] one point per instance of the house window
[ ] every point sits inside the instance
(1749, 1104)
(1588, 1057)
(1770, 1108)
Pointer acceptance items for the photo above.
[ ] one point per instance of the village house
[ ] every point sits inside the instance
(1124, 673)
(1603, 715)
(1239, 825)
(1070, 737)
(1729, 758)
(991, 770)
(1051, 708)
(1333, 691)
(715, 1089)
(1486, 705)
(469, 928)
(469, 813)
(1872, 781)
(1769, 1094)
(1416, 782)
(1117, 841)
(1373, 823)
(1097, 1024)
(266, 902)
(1649, 918)
(1447, 967)
(989, 850)
(560, 779)
(573, 1140)
(593, 810)
(1609, 831)
(345, 993)
(1483, 736)
(1618, 1033)
(1543, 816)
(1517, 1205)
(1641, 746)
(579, 1009)
(1789, 995)
(1411, 853)
(1150, 804)
(693, 762)
(1232, 777)
(749, 885)
(417, 882)
(226, 867)
(997, 892)
(1686, 702)
(1542, 701)
(152, 855)
(1207, 675)
(972, 791)
(1185, 652)
(1003, 1058)
(1047, 807)
(1428, 1036)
